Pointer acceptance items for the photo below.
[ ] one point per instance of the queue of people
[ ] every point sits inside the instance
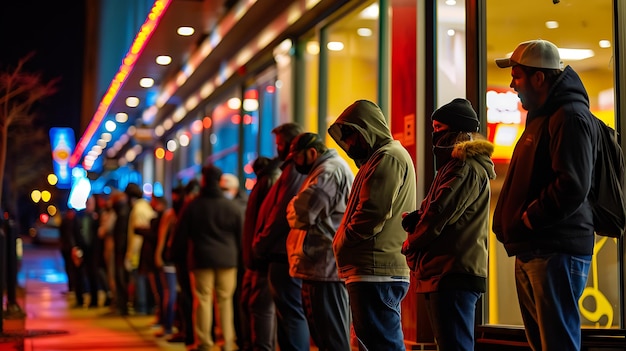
(318, 255)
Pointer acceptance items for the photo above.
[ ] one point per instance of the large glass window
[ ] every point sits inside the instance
(352, 62)
(583, 31)
(224, 137)
(260, 117)
(451, 50)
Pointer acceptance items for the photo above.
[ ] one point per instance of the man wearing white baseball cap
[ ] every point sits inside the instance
(543, 215)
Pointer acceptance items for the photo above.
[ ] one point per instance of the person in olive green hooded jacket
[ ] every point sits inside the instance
(369, 240)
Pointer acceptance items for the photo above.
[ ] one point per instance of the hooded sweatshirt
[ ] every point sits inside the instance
(448, 248)
(370, 236)
(550, 176)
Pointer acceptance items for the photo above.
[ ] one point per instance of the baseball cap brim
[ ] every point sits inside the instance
(505, 62)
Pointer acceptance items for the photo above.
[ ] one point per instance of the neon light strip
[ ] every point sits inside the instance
(140, 42)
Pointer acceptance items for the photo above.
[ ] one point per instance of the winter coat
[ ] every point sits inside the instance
(265, 180)
(272, 228)
(550, 176)
(314, 215)
(208, 232)
(370, 237)
(448, 248)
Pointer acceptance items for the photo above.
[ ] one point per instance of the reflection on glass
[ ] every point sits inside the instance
(352, 71)
(581, 31)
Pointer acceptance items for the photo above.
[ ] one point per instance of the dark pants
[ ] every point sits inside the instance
(70, 269)
(185, 303)
(260, 313)
(293, 331)
(328, 314)
(376, 314)
(121, 288)
(451, 314)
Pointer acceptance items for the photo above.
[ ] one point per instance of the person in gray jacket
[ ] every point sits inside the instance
(447, 244)
(369, 239)
(314, 215)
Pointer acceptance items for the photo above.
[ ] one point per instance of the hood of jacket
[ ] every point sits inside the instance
(480, 150)
(568, 88)
(368, 120)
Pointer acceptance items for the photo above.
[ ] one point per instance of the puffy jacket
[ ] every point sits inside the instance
(369, 239)
(550, 176)
(448, 247)
(314, 215)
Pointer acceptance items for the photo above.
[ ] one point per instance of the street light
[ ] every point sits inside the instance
(45, 196)
(52, 179)
(36, 196)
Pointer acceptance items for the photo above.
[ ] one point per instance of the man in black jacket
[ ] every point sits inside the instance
(543, 216)
(211, 226)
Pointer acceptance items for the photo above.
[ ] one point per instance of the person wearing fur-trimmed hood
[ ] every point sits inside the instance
(446, 248)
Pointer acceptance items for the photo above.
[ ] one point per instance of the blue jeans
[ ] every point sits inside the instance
(258, 306)
(376, 314)
(548, 288)
(451, 314)
(293, 330)
(140, 302)
(169, 300)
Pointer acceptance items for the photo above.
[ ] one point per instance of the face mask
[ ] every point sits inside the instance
(437, 136)
(357, 152)
(304, 168)
(443, 154)
(229, 195)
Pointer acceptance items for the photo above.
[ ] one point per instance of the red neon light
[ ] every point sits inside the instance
(140, 42)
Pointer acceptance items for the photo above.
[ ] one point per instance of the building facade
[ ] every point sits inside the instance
(250, 65)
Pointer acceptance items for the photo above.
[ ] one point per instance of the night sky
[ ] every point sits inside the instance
(54, 31)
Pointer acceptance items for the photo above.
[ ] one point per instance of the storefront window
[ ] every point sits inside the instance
(352, 62)
(310, 55)
(583, 32)
(260, 117)
(451, 51)
(226, 118)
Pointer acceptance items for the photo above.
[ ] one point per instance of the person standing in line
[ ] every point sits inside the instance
(229, 183)
(105, 233)
(120, 244)
(164, 263)
(369, 240)
(212, 226)
(446, 248)
(147, 266)
(314, 215)
(177, 250)
(86, 262)
(259, 312)
(270, 245)
(141, 213)
(544, 213)
(67, 240)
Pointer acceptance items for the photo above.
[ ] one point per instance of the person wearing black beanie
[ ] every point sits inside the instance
(446, 247)
(459, 115)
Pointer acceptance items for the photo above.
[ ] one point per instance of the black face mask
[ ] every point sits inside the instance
(437, 136)
(304, 168)
(443, 154)
(357, 152)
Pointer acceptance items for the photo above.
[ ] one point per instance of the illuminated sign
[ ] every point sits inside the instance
(62, 141)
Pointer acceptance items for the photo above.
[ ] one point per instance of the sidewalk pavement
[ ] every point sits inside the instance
(51, 324)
